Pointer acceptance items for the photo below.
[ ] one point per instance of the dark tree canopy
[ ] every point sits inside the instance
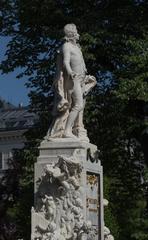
(113, 37)
(114, 40)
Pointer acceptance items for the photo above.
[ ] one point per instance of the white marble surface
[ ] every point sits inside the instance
(71, 85)
(62, 190)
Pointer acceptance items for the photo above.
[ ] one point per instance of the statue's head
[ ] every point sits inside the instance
(71, 32)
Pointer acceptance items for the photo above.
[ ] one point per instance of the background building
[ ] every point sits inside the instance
(14, 122)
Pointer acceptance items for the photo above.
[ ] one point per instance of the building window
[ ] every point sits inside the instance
(1, 160)
(4, 157)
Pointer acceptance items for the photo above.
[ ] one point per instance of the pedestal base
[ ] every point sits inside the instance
(68, 192)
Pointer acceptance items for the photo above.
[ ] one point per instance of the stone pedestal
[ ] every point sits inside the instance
(68, 202)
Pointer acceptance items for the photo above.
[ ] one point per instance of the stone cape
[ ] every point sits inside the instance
(68, 202)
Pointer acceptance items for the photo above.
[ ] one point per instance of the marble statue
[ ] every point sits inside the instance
(68, 193)
(71, 85)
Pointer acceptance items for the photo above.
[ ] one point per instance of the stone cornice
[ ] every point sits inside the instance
(12, 135)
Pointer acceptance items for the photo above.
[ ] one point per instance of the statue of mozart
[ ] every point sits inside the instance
(71, 85)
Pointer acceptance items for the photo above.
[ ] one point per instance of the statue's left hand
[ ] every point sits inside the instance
(90, 82)
(90, 77)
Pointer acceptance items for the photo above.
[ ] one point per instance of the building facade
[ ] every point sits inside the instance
(14, 122)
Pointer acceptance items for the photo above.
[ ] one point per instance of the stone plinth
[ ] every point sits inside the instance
(68, 202)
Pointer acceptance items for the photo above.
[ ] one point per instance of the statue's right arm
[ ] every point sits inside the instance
(66, 58)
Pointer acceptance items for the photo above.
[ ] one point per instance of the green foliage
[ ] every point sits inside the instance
(118, 131)
(16, 188)
(110, 219)
(114, 42)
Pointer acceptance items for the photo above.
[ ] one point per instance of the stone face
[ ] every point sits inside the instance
(68, 192)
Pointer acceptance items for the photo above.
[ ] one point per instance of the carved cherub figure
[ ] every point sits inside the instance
(49, 208)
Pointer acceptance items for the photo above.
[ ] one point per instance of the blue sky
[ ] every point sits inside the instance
(11, 88)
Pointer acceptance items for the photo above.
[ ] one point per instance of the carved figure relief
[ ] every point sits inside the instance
(59, 212)
(92, 155)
